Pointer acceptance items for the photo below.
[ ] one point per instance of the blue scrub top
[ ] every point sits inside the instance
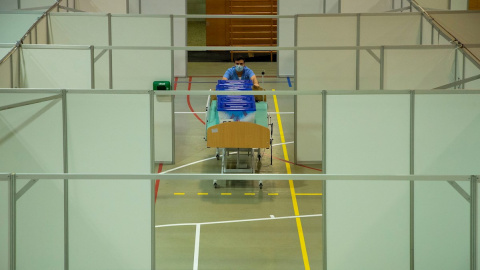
(231, 74)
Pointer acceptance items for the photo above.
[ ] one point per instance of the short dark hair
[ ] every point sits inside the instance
(240, 58)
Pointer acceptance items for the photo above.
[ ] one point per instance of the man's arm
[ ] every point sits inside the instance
(254, 80)
(225, 79)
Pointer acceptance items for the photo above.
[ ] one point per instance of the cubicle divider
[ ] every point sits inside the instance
(367, 221)
(14, 24)
(132, 68)
(58, 224)
(31, 141)
(445, 143)
(369, 60)
(6, 70)
(401, 132)
(47, 66)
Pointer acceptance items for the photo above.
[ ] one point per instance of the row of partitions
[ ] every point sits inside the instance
(382, 218)
(348, 52)
(357, 132)
(103, 30)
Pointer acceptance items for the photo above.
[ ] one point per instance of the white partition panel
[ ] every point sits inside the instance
(31, 142)
(434, 4)
(325, 76)
(459, 5)
(43, 4)
(110, 221)
(433, 68)
(367, 221)
(141, 30)
(391, 29)
(332, 6)
(79, 29)
(164, 124)
(471, 70)
(336, 30)
(286, 30)
(5, 49)
(426, 32)
(459, 25)
(365, 6)
(42, 32)
(369, 70)
(134, 7)
(107, 6)
(445, 143)
(453, 121)
(102, 69)
(137, 69)
(5, 72)
(8, 5)
(14, 25)
(176, 7)
(56, 68)
(442, 235)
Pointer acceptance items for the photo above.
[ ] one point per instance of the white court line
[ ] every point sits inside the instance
(186, 165)
(197, 247)
(277, 144)
(234, 221)
(198, 161)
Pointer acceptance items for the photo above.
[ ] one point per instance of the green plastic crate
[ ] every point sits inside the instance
(161, 85)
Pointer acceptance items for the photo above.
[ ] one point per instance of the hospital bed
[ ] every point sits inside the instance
(239, 140)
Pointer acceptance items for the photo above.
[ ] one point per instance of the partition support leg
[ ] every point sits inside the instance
(324, 183)
(473, 221)
(110, 53)
(92, 66)
(11, 71)
(357, 59)
(412, 183)
(13, 220)
(382, 66)
(65, 181)
(463, 70)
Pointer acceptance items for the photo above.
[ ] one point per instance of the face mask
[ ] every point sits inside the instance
(239, 68)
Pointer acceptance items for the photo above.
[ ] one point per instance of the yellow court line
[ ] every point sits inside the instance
(226, 193)
(250, 194)
(292, 188)
(272, 194)
(202, 193)
(309, 194)
(178, 193)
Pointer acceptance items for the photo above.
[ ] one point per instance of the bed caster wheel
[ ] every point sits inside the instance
(218, 157)
(215, 185)
(260, 186)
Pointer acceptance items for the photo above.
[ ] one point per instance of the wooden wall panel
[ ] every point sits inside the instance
(474, 5)
(216, 28)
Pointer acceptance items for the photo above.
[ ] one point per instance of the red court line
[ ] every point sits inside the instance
(157, 183)
(296, 164)
(188, 100)
(175, 84)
